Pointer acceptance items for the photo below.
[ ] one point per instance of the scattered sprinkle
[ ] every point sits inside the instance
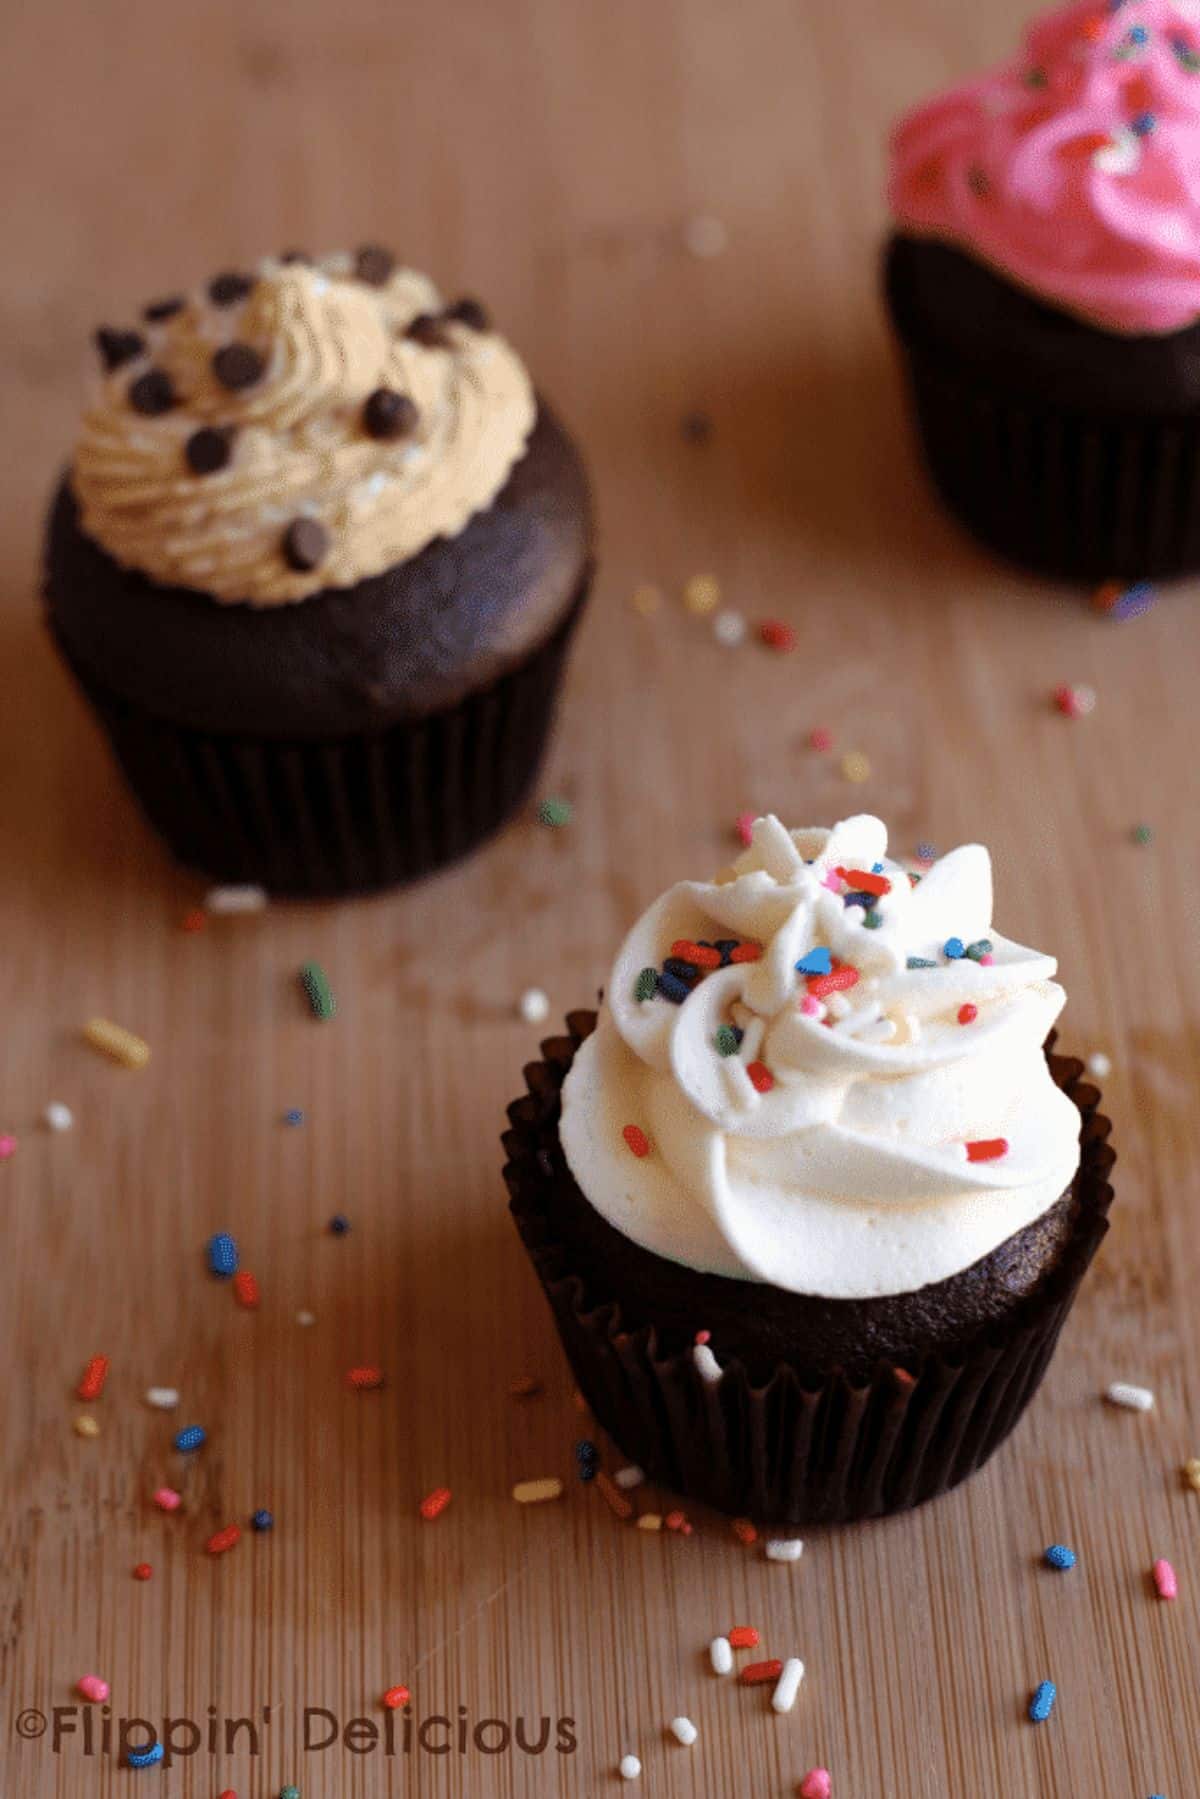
(954, 949)
(194, 921)
(720, 1654)
(167, 1499)
(727, 1040)
(817, 1784)
(395, 1697)
(534, 1006)
(820, 738)
(788, 1685)
(783, 1549)
(705, 236)
(637, 1140)
(145, 1758)
(435, 1503)
(684, 1731)
(1142, 834)
(1117, 601)
(293, 1115)
(744, 1531)
(678, 1520)
(365, 1380)
(987, 1149)
(555, 813)
(646, 599)
(1042, 1703)
(289, 1792)
(113, 1040)
(306, 1318)
(1099, 1065)
(86, 1426)
(696, 427)
(743, 1636)
(1059, 1556)
(646, 985)
(536, 1492)
(233, 900)
(707, 1365)
(91, 1381)
(58, 1117)
(262, 1519)
(729, 629)
(650, 1521)
(816, 961)
(856, 767)
(1134, 1399)
(630, 1767)
(339, 1225)
(777, 635)
(315, 983)
(761, 1078)
(1074, 702)
(222, 1253)
(1191, 1472)
(245, 1290)
(525, 1386)
(743, 827)
(190, 1438)
(223, 1540)
(143, 1571)
(1165, 1583)
(613, 1497)
(757, 1674)
(629, 1477)
(926, 852)
(968, 1014)
(702, 594)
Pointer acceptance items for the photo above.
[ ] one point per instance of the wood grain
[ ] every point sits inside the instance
(549, 156)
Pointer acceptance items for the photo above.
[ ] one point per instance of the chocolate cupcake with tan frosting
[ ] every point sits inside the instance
(316, 564)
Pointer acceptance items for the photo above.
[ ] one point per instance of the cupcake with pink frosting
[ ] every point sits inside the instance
(1044, 280)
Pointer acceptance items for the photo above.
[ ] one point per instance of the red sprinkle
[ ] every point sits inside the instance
(696, 953)
(229, 1793)
(365, 1380)
(224, 1539)
(863, 881)
(839, 980)
(193, 921)
(744, 1531)
(987, 1149)
(968, 1014)
(758, 1673)
(435, 1503)
(91, 1382)
(143, 1571)
(702, 1337)
(245, 1289)
(746, 952)
(677, 1520)
(743, 1636)
(637, 1140)
(777, 635)
(395, 1697)
(760, 1077)
(820, 738)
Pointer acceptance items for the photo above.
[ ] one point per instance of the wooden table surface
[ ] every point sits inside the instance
(550, 156)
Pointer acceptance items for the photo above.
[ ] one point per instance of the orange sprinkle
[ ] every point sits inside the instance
(696, 953)
(364, 1380)
(224, 1539)
(395, 1697)
(91, 1381)
(744, 1531)
(193, 921)
(743, 1636)
(637, 1140)
(987, 1149)
(613, 1496)
(761, 1077)
(435, 1503)
(756, 1674)
(746, 952)
(245, 1289)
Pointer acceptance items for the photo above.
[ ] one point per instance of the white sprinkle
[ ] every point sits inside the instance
(705, 235)
(788, 1685)
(306, 1317)
(783, 1549)
(631, 1767)
(58, 1117)
(231, 900)
(720, 1654)
(1099, 1065)
(729, 629)
(534, 1006)
(1134, 1399)
(629, 1477)
(164, 1398)
(707, 1365)
(684, 1731)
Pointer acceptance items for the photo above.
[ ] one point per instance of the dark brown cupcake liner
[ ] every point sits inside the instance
(327, 818)
(1081, 496)
(800, 1447)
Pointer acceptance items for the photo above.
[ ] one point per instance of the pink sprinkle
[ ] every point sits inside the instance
(817, 1784)
(93, 1688)
(703, 1337)
(8, 1147)
(167, 1499)
(987, 961)
(1165, 1583)
(743, 826)
(832, 880)
(820, 738)
(811, 1008)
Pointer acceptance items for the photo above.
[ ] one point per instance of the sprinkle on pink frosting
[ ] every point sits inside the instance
(1075, 168)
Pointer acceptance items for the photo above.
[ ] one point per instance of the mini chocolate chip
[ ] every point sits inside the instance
(152, 393)
(374, 264)
(209, 449)
(158, 310)
(229, 288)
(468, 312)
(304, 544)
(287, 256)
(238, 365)
(388, 414)
(116, 347)
(428, 329)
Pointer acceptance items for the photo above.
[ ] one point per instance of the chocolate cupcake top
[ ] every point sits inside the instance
(1071, 169)
(822, 1072)
(303, 428)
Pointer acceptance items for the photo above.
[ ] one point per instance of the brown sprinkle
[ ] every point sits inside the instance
(468, 312)
(117, 347)
(428, 329)
(387, 414)
(238, 365)
(152, 393)
(228, 288)
(209, 449)
(305, 543)
(374, 264)
(158, 310)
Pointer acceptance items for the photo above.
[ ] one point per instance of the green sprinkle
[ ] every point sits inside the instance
(1143, 834)
(555, 812)
(646, 985)
(315, 983)
(289, 1793)
(873, 919)
(919, 962)
(982, 947)
(727, 1043)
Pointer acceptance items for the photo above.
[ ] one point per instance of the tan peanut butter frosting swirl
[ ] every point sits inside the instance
(299, 429)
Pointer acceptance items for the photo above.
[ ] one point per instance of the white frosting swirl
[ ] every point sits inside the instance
(850, 1177)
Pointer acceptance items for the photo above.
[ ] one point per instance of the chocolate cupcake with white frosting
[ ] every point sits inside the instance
(813, 1196)
(316, 563)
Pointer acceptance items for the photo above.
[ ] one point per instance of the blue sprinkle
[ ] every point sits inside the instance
(817, 961)
(293, 1116)
(145, 1758)
(1138, 34)
(867, 900)
(1134, 601)
(1042, 1703)
(953, 948)
(261, 1520)
(339, 1224)
(189, 1438)
(586, 1451)
(1059, 1556)
(926, 852)
(877, 868)
(222, 1255)
(1143, 125)
(686, 971)
(672, 988)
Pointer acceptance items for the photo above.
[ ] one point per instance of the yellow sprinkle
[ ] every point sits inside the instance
(120, 1044)
(646, 599)
(86, 1426)
(702, 593)
(855, 766)
(533, 1492)
(650, 1521)
(1191, 1472)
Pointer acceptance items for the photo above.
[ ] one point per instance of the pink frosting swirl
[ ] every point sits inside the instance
(1075, 168)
